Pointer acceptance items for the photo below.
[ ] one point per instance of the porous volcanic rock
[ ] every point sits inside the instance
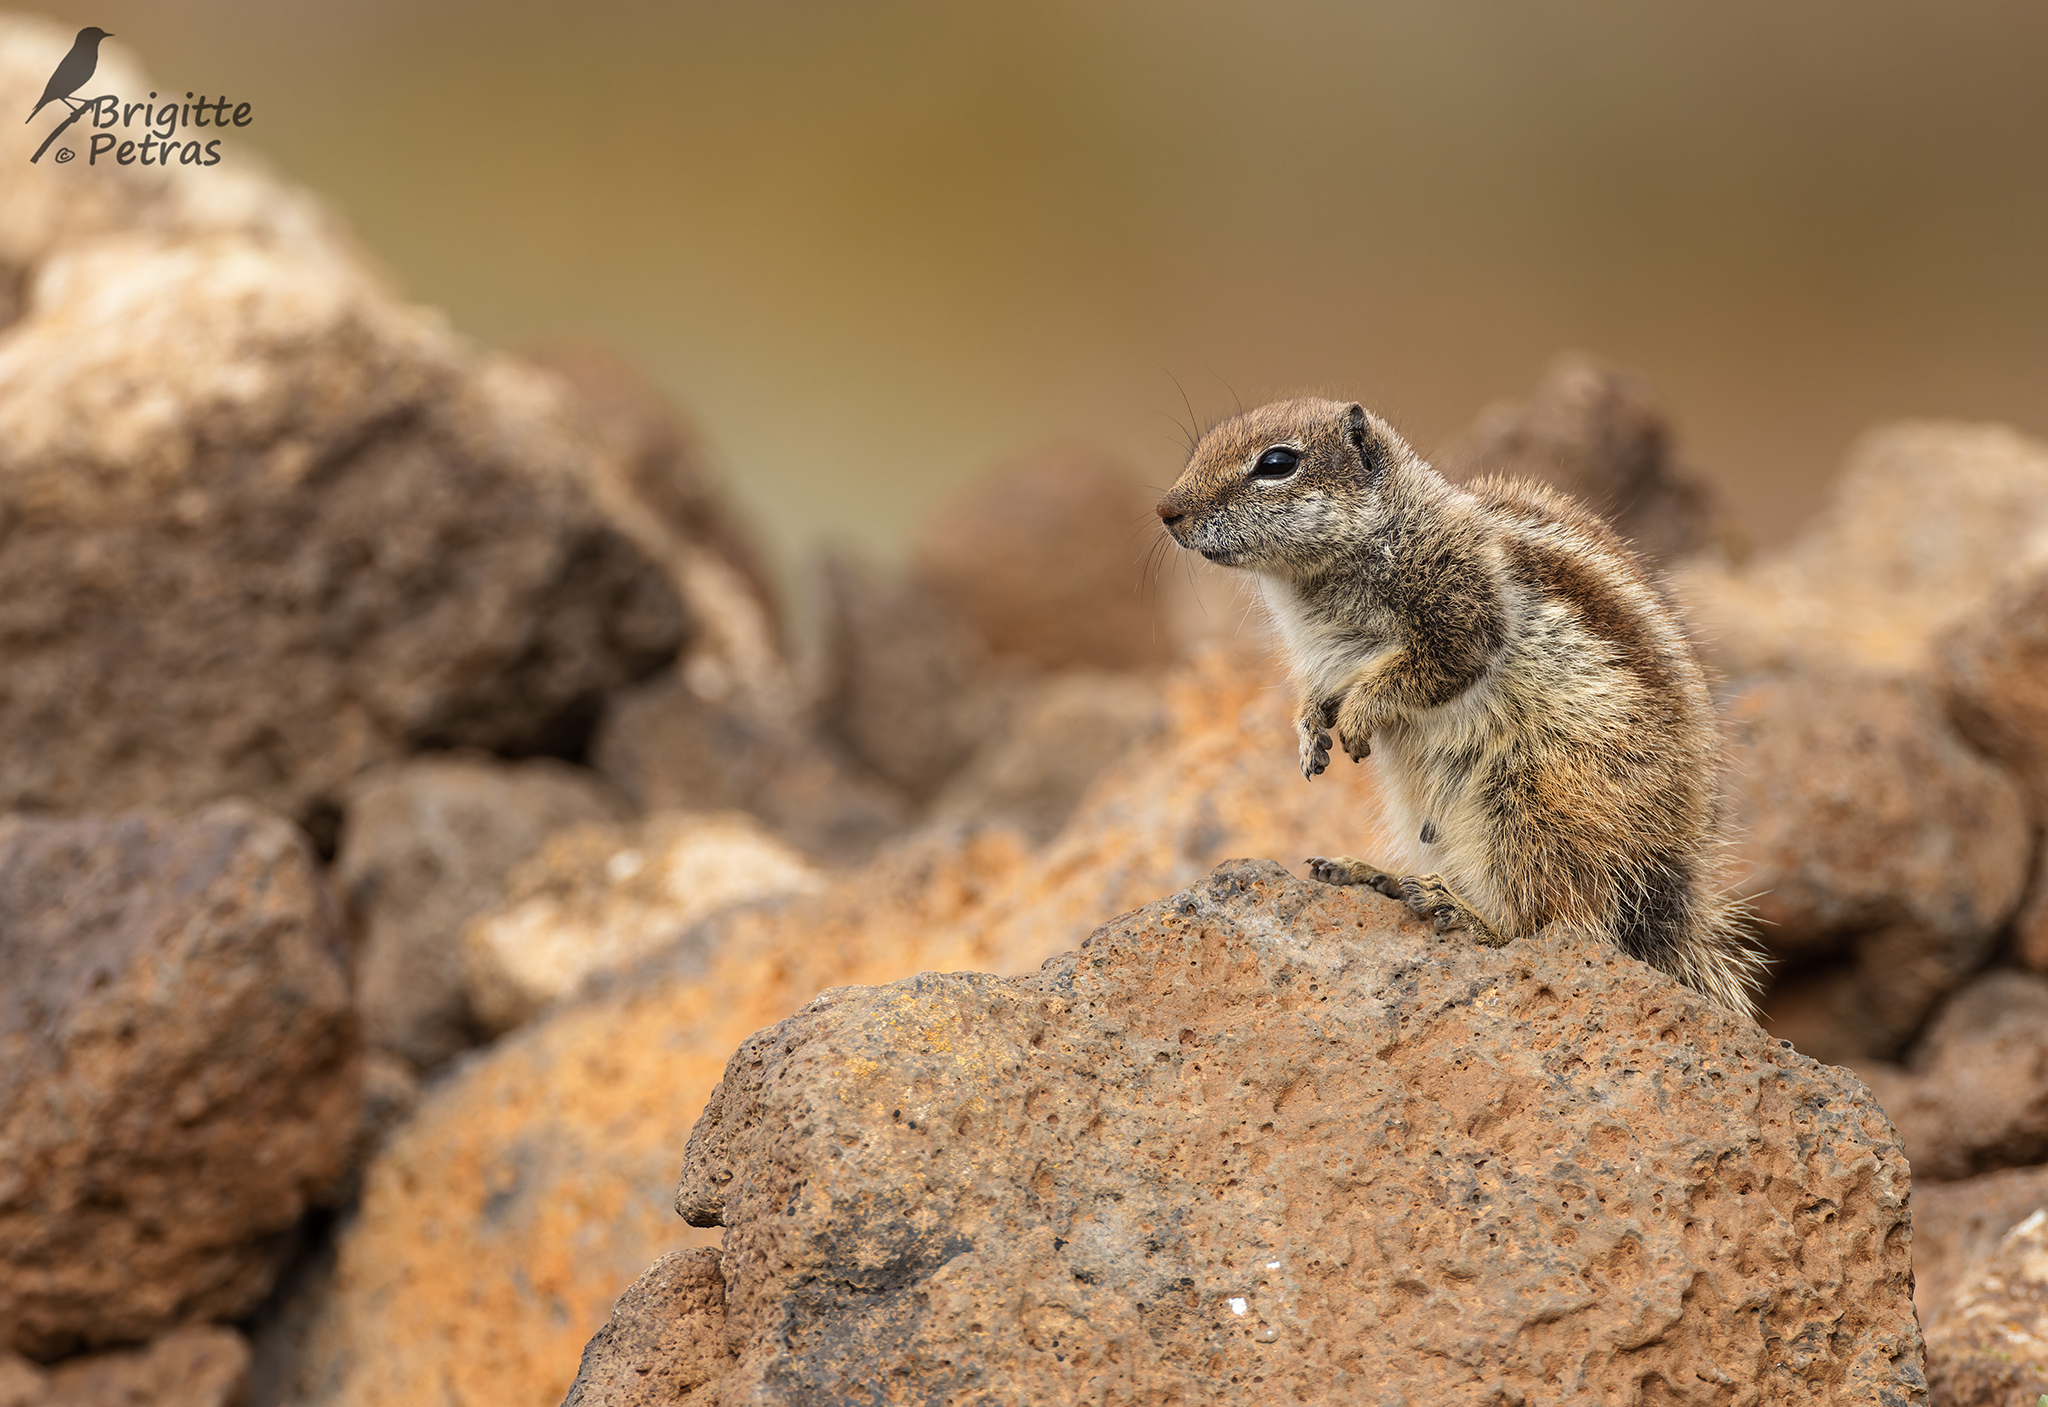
(205, 1365)
(1958, 1224)
(1975, 1095)
(671, 745)
(426, 845)
(1987, 1346)
(1924, 523)
(265, 524)
(1045, 560)
(1869, 825)
(597, 897)
(664, 1341)
(1273, 1140)
(534, 1183)
(1599, 435)
(178, 1068)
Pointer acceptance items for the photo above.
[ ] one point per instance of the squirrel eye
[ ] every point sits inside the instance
(1276, 463)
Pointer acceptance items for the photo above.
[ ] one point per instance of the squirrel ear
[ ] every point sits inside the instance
(1372, 452)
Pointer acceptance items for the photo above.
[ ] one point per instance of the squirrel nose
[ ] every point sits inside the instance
(1170, 515)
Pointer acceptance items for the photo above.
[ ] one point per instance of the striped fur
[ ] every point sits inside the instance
(1547, 744)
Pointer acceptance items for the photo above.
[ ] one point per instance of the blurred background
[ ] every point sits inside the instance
(878, 249)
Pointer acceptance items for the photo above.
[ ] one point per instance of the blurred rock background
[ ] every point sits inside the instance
(416, 786)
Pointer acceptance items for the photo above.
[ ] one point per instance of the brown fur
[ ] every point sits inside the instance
(1545, 735)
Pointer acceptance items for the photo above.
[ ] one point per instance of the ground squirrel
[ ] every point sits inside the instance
(1548, 746)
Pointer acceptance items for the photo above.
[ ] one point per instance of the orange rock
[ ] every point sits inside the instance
(1868, 825)
(1922, 526)
(534, 1186)
(1975, 1096)
(1267, 1140)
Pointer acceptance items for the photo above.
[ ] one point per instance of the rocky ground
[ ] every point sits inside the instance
(427, 869)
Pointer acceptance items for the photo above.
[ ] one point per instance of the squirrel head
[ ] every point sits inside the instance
(1285, 487)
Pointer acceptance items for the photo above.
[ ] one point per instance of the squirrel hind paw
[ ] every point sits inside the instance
(1435, 903)
(1342, 869)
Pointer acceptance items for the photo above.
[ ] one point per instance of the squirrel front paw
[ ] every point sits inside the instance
(1314, 744)
(1354, 731)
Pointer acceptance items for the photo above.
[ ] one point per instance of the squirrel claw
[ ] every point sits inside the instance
(1315, 753)
(1431, 900)
(1345, 870)
(1387, 884)
(1327, 871)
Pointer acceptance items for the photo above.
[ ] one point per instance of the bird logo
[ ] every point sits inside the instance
(73, 70)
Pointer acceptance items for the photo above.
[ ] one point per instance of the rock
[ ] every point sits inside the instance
(1975, 1096)
(1271, 1140)
(200, 1366)
(1993, 671)
(450, 582)
(1923, 525)
(598, 897)
(905, 685)
(534, 1184)
(654, 482)
(391, 1091)
(1599, 435)
(663, 1341)
(2030, 928)
(1045, 560)
(1988, 1346)
(1958, 1224)
(1219, 781)
(536, 1180)
(179, 1071)
(22, 1384)
(1061, 734)
(426, 845)
(1819, 1009)
(1869, 825)
(670, 747)
(265, 525)
(665, 459)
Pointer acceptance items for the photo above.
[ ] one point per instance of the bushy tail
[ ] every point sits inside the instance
(1717, 957)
